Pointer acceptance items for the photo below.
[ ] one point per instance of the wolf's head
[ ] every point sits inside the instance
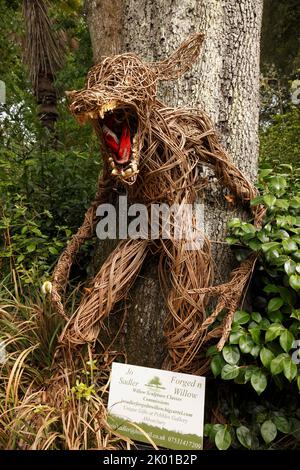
(118, 99)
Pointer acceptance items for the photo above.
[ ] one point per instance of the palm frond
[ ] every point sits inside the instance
(44, 48)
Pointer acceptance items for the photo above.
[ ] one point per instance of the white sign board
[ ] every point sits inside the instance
(167, 406)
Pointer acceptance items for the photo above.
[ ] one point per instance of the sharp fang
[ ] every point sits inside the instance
(114, 172)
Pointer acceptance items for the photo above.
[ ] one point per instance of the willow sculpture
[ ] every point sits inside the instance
(158, 154)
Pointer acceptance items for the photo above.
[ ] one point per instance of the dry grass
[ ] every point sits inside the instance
(49, 399)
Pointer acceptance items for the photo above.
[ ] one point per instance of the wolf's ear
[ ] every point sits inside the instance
(181, 60)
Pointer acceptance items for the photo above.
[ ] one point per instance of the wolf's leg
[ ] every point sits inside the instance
(110, 285)
(187, 326)
(181, 270)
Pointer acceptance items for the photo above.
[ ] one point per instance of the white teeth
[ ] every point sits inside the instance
(114, 172)
(128, 172)
(111, 162)
(133, 166)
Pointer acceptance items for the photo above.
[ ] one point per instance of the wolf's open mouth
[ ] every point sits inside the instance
(119, 131)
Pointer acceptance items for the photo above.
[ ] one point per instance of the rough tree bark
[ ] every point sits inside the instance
(224, 82)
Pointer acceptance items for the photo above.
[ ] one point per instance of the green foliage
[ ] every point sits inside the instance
(28, 247)
(280, 34)
(47, 181)
(280, 140)
(261, 344)
(263, 350)
(256, 426)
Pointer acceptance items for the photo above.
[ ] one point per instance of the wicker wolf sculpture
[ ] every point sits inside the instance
(157, 154)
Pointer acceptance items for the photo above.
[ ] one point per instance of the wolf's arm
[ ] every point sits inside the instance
(85, 232)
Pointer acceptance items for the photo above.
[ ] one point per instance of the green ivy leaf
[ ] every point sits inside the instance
(255, 351)
(296, 314)
(53, 250)
(281, 422)
(256, 316)
(264, 324)
(235, 222)
(269, 200)
(231, 354)
(263, 237)
(256, 200)
(289, 368)
(289, 246)
(282, 204)
(255, 245)
(265, 172)
(255, 334)
(217, 427)
(241, 317)
(217, 364)
(31, 247)
(290, 267)
(274, 330)
(249, 370)
(235, 336)
(207, 429)
(277, 364)
(271, 289)
(259, 381)
(286, 340)
(244, 436)
(294, 281)
(275, 304)
(276, 317)
(298, 382)
(223, 439)
(212, 351)
(229, 372)
(270, 246)
(288, 296)
(266, 356)
(296, 255)
(231, 240)
(268, 431)
(277, 183)
(246, 344)
(295, 203)
(295, 428)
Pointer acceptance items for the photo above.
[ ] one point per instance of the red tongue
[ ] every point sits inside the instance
(125, 144)
(122, 148)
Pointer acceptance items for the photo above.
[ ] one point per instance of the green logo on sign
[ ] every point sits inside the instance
(155, 382)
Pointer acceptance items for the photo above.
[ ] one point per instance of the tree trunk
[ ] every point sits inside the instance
(224, 83)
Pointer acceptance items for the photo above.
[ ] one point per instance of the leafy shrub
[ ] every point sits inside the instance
(263, 345)
(258, 426)
(263, 349)
(280, 138)
(47, 180)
